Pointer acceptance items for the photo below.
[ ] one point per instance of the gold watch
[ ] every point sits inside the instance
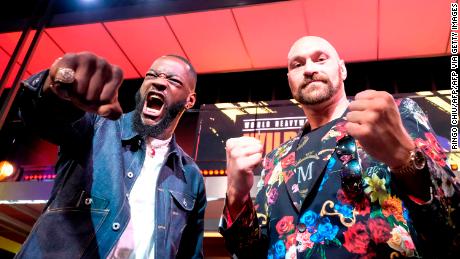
(417, 161)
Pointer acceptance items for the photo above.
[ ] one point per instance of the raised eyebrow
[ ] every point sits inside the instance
(320, 53)
(295, 58)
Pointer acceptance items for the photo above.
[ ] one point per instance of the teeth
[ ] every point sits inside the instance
(154, 96)
(154, 102)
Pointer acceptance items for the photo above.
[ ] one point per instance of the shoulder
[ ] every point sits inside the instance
(407, 105)
(123, 124)
(283, 149)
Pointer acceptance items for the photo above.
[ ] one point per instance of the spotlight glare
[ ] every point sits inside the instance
(6, 170)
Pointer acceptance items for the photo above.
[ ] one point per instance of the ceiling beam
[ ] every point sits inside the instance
(144, 9)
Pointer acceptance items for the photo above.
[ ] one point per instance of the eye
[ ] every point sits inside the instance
(295, 65)
(322, 58)
(175, 81)
(150, 75)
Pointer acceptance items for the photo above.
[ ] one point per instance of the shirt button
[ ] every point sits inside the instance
(184, 202)
(116, 226)
(130, 174)
(88, 201)
(301, 227)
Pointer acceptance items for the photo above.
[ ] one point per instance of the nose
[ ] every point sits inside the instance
(310, 68)
(159, 84)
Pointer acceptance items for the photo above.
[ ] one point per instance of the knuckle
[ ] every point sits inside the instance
(87, 55)
(117, 71)
(378, 104)
(371, 117)
(88, 60)
(366, 131)
(260, 149)
(385, 96)
(69, 56)
(101, 63)
(233, 154)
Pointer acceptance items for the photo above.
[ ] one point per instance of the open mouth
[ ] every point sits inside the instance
(154, 105)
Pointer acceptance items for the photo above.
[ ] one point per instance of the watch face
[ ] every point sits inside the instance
(419, 159)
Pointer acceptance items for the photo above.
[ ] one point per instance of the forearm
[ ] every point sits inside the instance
(235, 203)
(433, 193)
(243, 235)
(416, 186)
(437, 220)
(415, 182)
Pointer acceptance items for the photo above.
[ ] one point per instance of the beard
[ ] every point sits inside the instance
(316, 95)
(171, 113)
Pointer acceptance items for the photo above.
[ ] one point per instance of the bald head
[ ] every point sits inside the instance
(189, 66)
(315, 71)
(312, 43)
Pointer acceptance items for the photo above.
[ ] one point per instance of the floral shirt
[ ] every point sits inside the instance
(384, 222)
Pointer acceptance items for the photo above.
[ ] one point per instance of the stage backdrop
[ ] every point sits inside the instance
(277, 121)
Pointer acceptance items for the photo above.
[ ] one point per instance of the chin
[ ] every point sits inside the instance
(150, 121)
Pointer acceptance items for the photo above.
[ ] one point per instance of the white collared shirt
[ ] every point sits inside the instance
(137, 241)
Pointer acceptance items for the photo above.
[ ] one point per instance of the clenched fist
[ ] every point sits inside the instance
(374, 120)
(88, 81)
(243, 155)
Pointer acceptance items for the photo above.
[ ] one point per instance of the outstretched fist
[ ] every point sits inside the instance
(89, 82)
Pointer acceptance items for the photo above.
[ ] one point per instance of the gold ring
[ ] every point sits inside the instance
(64, 75)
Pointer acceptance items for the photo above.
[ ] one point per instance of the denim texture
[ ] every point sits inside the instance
(99, 161)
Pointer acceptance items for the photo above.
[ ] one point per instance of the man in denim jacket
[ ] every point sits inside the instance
(363, 179)
(124, 188)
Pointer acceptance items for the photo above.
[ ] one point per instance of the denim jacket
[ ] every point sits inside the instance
(99, 161)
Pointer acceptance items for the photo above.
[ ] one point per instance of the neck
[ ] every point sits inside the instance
(166, 134)
(320, 114)
(169, 131)
(155, 142)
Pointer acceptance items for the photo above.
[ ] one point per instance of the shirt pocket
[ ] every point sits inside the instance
(182, 205)
(183, 201)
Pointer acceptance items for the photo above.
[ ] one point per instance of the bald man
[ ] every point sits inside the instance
(362, 178)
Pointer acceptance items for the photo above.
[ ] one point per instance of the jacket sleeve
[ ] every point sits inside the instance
(55, 120)
(437, 221)
(246, 235)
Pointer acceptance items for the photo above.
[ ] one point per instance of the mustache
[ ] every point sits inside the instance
(314, 77)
